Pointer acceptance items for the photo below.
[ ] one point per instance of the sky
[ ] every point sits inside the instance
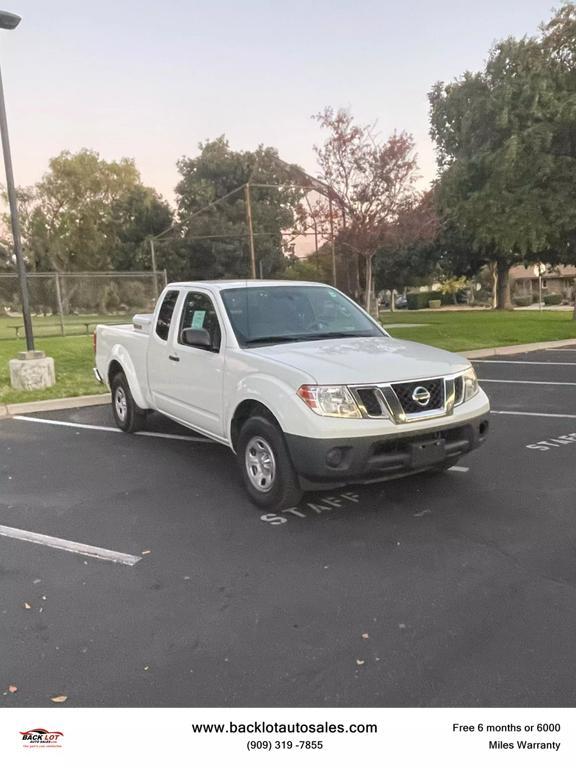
(150, 80)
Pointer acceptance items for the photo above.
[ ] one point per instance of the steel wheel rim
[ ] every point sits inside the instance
(120, 403)
(260, 464)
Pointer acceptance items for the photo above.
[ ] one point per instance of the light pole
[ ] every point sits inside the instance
(11, 21)
(539, 270)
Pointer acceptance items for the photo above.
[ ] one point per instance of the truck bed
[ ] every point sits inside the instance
(128, 343)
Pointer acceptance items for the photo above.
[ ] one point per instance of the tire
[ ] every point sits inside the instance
(127, 415)
(265, 465)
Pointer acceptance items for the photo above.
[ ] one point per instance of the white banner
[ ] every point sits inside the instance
(182, 738)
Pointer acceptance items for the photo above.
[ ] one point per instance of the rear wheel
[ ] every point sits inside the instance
(127, 415)
(265, 465)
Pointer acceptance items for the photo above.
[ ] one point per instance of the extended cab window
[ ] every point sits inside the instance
(165, 314)
(198, 313)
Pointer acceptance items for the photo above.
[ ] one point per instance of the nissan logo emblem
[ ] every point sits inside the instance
(421, 396)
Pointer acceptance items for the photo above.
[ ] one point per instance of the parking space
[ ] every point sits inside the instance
(449, 590)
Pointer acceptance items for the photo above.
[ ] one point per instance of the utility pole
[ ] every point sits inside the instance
(250, 230)
(154, 274)
(332, 244)
(59, 302)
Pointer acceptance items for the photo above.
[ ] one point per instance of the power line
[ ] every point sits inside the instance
(231, 236)
(233, 192)
(312, 184)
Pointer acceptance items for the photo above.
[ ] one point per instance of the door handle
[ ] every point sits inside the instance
(175, 358)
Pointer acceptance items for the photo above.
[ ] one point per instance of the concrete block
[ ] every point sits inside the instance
(32, 370)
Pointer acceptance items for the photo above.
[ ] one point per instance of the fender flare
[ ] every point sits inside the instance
(120, 356)
(267, 390)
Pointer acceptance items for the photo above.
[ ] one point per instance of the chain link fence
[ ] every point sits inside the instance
(72, 303)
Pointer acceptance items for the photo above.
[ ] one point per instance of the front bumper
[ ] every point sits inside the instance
(340, 461)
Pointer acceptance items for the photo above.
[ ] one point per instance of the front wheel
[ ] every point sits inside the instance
(265, 465)
(127, 415)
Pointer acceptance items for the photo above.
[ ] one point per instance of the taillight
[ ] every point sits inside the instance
(94, 342)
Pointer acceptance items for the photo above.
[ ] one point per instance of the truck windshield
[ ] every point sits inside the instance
(282, 314)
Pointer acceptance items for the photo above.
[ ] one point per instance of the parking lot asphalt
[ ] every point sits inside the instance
(449, 590)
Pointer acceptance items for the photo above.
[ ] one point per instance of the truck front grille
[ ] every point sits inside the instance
(370, 400)
(431, 394)
(409, 400)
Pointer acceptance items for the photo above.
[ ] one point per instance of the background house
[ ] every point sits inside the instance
(559, 280)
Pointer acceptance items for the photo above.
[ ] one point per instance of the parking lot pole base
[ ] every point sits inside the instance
(32, 370)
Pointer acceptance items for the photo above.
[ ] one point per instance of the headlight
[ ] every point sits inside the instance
(470, 384)
(330, 401)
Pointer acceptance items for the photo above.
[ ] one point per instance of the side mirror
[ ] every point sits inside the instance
(197, 337)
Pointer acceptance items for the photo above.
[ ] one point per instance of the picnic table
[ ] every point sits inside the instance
(18, 327)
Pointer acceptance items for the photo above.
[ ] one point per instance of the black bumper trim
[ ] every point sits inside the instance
(361, 458)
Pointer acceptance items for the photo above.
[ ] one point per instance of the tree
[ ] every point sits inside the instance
(25, 199)
(213, 233)
(317, 267)
(506, 151)
(374, 181)
(136, 216)
(412, 251)
(452, 286)
(89, 214)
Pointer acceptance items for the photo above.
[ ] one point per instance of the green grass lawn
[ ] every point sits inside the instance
(72, 354)
(74, 325)
(450, 330)
(474, 330)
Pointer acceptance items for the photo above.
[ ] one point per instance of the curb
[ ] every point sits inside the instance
(516, 349)
(86, 400)
(60, 404)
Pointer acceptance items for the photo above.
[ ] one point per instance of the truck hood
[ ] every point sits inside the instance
(364, 360)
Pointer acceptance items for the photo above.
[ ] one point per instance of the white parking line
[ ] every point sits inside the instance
(459, 469)
(518, 362)
(543, 415)
(515, 381)
(69, 546)
(55, 423)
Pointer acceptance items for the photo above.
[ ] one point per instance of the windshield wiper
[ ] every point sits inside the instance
(273, 339)
(338, 335)
(306, 337)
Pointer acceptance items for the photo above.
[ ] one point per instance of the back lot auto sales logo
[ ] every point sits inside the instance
(40, 737)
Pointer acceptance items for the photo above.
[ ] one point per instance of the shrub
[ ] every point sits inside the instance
(483, 296)
(522, 301)
(552, 298)
(420, 300)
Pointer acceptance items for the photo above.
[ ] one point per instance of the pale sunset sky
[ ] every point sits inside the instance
(149, 80)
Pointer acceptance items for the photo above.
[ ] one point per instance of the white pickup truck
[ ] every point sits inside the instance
(302, 384)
